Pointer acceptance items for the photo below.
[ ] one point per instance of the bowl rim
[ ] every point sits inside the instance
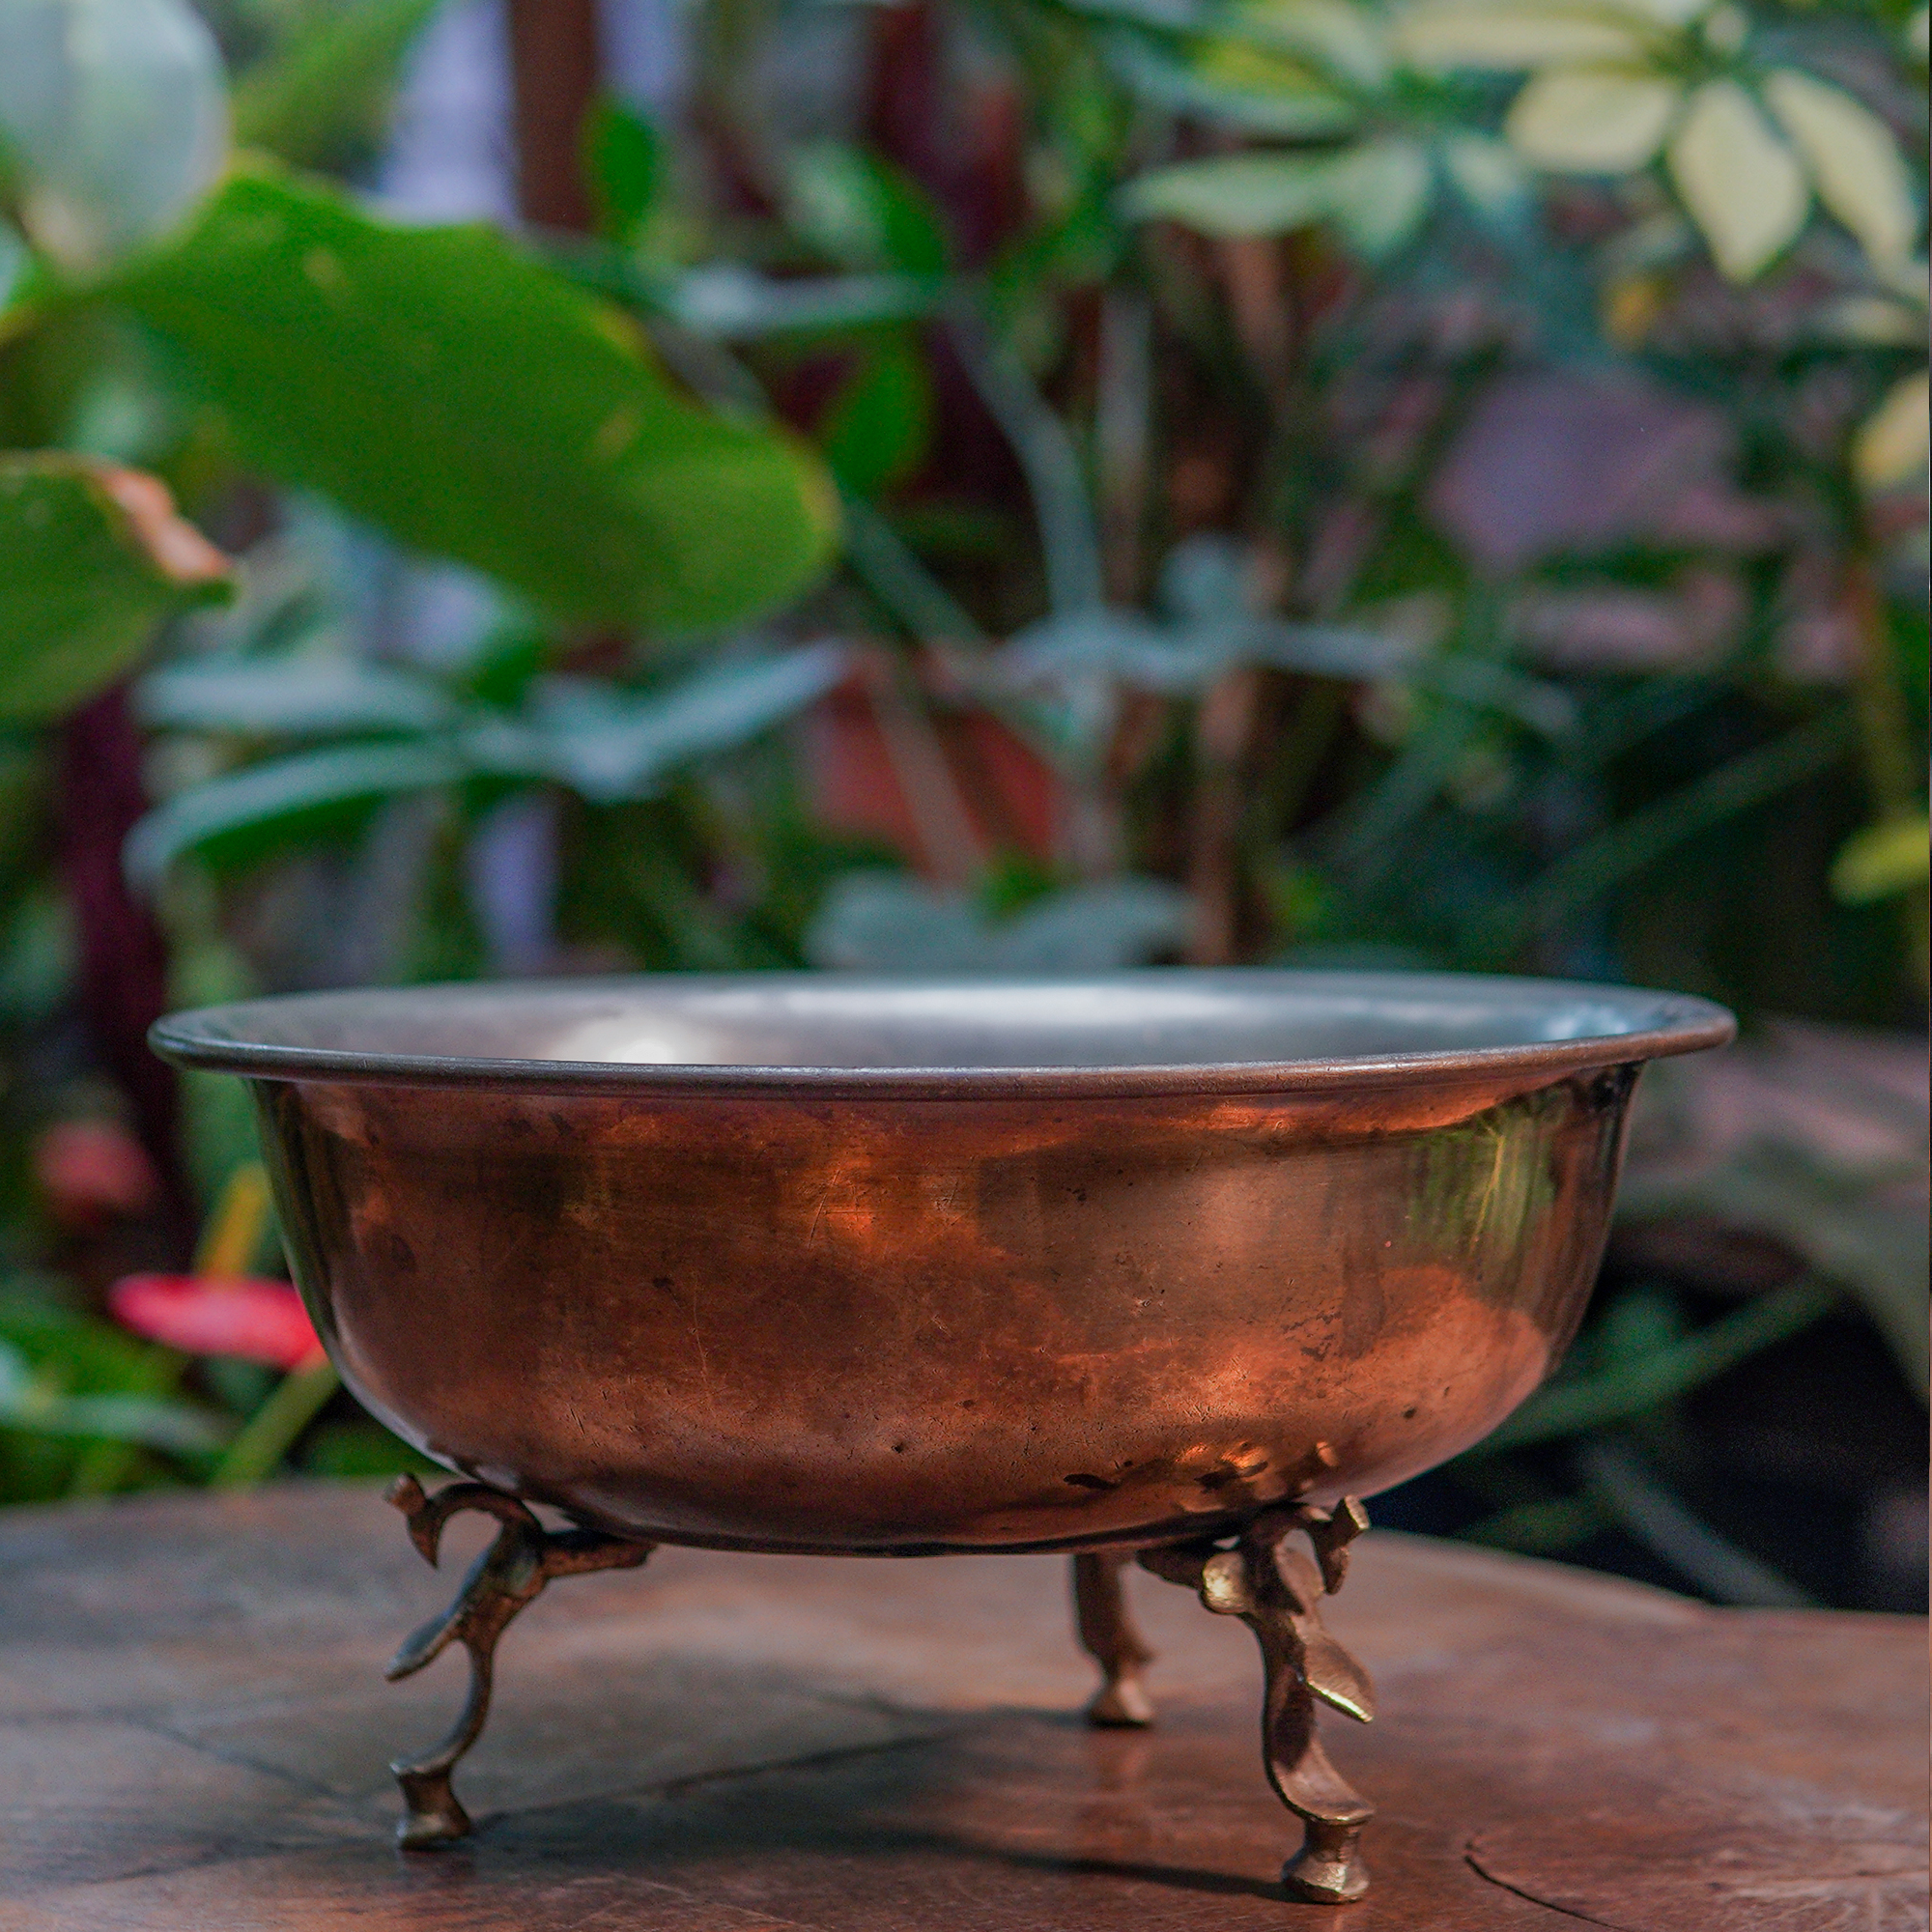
(214, 1039)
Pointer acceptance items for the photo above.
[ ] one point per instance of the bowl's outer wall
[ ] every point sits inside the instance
(912, 1325)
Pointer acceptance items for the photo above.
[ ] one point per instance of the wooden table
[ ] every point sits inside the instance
(194, 1730)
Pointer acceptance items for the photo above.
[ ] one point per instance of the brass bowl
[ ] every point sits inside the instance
(809, 1262)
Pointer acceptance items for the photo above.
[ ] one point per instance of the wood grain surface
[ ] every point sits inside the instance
(194, 1731)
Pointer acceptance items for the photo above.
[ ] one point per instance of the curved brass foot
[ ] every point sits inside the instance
(1276, 1590)
(1109, 1636)
(509, 1574)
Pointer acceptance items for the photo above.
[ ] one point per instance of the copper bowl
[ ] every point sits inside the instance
(809, 1262)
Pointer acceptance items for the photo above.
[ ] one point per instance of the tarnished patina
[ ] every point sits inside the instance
(804, 1263)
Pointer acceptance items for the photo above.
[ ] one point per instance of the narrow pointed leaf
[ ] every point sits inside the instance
(279, 789)
(296, 698)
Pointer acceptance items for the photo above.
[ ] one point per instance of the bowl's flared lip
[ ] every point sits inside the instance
(1650, 1025)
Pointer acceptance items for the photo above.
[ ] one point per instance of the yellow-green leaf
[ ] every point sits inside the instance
(1235, 194)
(1509, 35)
(1339, 37)
(1882, 859)
(1891, 447)
(1854, 161)
(1592, 120)
(1742, 185)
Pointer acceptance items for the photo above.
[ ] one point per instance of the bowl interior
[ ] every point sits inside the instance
(1127, 1020)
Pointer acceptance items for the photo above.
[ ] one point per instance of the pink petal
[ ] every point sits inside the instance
(257, 1320)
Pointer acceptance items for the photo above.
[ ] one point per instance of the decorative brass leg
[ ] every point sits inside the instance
(1108, 1635)
(509, 1574)
(1275, 1590)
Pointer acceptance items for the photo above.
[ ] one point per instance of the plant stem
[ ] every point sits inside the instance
(271, 1431)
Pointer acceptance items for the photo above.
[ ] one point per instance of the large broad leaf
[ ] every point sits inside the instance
(91, 558)
(1589, 120)
(455, 393)
(1854, 161)
(1742, 186)
(114, 117)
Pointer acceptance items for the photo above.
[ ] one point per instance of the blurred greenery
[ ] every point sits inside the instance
(1431, 483)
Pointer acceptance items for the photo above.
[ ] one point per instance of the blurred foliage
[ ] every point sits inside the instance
(997, 483)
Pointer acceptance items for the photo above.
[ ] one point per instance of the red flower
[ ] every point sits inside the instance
(202, 1315)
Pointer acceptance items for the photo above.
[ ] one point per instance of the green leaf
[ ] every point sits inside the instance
(731, 302)
(1881, 861)
(878, 426)
(1634, 1381)
(604, 743)
(282, 789)
(1488, 176)
(91, 558)
(609, 746)
(295, 697)
(624, 158)
(1336, 37)
(882, 922)
(1275, 100)
(1376, 193)
(1236, 194)
(450, 390)
(1381, 191)
(326, 87)
(864, 212)
(1742, 186)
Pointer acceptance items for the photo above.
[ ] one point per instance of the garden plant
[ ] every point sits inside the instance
(974, 484)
